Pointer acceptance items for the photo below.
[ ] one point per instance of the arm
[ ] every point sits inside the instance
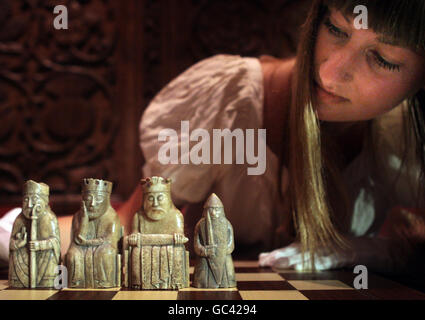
(230, 242)
(198, 246)
(19, 237)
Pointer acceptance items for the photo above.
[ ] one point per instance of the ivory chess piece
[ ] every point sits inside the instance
(93, 258)
(214, 244)
(155, 255)
(35, 241)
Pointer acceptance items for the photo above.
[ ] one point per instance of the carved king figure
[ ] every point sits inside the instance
(93, 260)
(35, 241)
(156, 257)
(214, 244)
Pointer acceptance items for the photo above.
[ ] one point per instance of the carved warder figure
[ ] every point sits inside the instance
(157, 258)
(214, 244)
(92, 259)
(35, 241)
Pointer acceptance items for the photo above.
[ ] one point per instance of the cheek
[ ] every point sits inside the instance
(377, 97)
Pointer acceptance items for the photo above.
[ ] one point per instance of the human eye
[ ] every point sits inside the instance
(381, 62)
(334, 30)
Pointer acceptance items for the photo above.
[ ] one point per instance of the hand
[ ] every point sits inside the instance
(291, 257)
(80, 240)
(34, 245)
(133, 239)
(36, 212)
(85, 216)
(210, 250)
(21, 238)
(179, 238)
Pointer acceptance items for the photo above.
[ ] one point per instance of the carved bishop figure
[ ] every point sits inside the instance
(35, 241)
(93, 260)
(214, 244)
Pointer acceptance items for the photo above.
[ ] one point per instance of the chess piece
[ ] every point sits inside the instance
(35, 242)
(155, 255)
(93, 258)
(214, 244)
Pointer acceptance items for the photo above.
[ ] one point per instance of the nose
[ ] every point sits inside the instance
(92, 202)
(155, 202)
(30, 203)
(337, 68)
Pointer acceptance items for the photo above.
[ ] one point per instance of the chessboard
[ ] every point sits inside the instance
(253, 283)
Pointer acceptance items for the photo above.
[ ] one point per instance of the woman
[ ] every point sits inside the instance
(313, 106)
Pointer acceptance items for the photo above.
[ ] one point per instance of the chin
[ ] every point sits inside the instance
(326, 113)
(156, 215)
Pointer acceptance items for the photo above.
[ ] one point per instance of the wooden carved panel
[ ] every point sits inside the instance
(71, 100)
(59, 119)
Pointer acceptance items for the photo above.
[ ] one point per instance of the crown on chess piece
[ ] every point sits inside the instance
(34, 187)
(156, 184)
(213, 201)
(96, 185)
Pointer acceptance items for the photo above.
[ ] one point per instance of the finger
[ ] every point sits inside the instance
(289, 262)
(268, 259)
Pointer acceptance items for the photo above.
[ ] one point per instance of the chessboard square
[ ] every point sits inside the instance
(29, 294)
(253, 270)
(319, 285)
(83, 295)
(208, 289)
(91, 289)
(272, 295)
(246, 264)
(209, 295)
(258, 277)
(4, 284)
(338, 295)
(146, 295)
(264, 285)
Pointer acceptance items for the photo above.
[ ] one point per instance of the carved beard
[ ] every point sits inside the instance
(156, 213)
(219, 227)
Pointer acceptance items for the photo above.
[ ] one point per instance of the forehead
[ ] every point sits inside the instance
(396, 23)
(33, 194)
(96, 193)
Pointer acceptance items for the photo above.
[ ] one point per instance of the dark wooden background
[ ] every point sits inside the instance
(71, 100)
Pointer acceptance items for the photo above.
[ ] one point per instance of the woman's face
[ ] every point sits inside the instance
(358, 76)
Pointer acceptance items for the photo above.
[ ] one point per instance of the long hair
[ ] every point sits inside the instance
(312, 172)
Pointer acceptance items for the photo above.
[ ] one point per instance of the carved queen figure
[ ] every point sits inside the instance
(93, 260)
